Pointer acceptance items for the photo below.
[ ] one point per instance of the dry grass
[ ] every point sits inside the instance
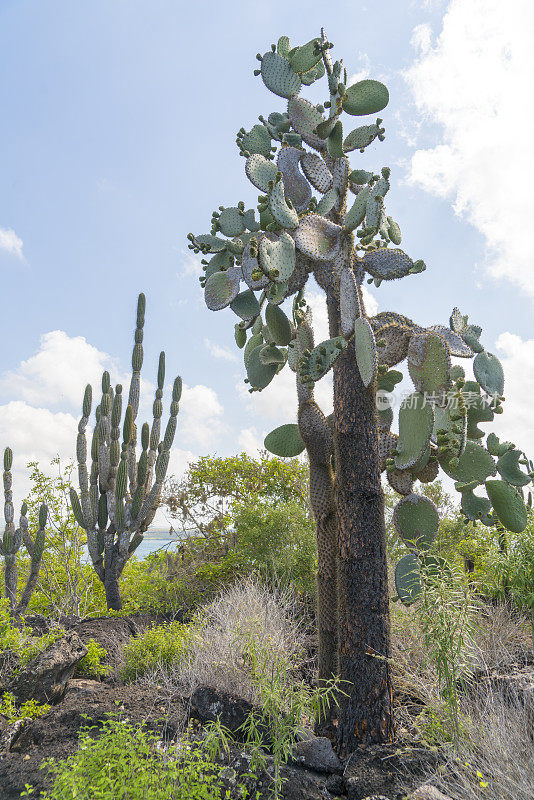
(218, 655)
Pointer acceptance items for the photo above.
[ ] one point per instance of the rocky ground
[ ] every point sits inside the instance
(381, 771)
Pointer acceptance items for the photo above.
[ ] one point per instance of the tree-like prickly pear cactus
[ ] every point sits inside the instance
(118, 498)
(319, 217)
(12, 539)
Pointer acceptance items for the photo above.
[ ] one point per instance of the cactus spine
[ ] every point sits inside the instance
(118, 500)
(12, 540)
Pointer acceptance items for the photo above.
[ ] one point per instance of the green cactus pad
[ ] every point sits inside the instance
(219, 263)
(401, 480)
(321, 359)
(478, 410)
(221, 288)
(277, 292)
(327, 202)
(271, 354)
(277, 254)
(429, 363)
(306, 57)
(256, 340)
(457, 321)
(456, 429)
(457, 346)
(316, 172)
(257, 140)
(365, 346)
(408, 579)
(334, 143)
(259, 375)
(281, 208)
(278, 324)
(508, 468)
(246, 305)
(304, 119)
(360, 138)
(279, 76)
(387, 264)
(389, 380)
(230, 222)
(356, 213)
(474, 507)
(387, 442)
(349, 301)
(429, 472)
(416, 520)
(489, 373)
(285, 441)
(365, 97)
(416, 422)
(394, 231)
(259, 170)
(508, 505)
(297, 188)
(314, 74)
(208, 243)
(249, 265)
(497, 448)
(475, 464)
(471, 336)
(374, 212)
(318, 238)
(395, 339)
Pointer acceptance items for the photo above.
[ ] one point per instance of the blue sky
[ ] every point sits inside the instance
(118, 138)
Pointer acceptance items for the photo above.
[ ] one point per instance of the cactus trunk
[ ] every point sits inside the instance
(363, 608)
(10, 580)
(111, 586)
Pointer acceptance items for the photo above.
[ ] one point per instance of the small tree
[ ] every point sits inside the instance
(299, 235)
(12, 539)
(118, 501)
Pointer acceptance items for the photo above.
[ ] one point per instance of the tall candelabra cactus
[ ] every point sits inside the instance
(289, 155)
(118, 499)
(12, 540)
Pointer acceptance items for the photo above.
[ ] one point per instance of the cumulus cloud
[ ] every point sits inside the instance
(473, 80)
(220, 351)
(250, 442)
(10, 242)
(201, 416)
(515, 424)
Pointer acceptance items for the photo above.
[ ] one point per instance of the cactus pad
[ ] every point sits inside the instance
(388, 264)
(259, 375)
(475, 464)
(388, 380)
(349, 301)
(408, 578)
(279, 76)
(416, 422)
(416, 520)
(457, 346)
(508, 468)
(271, 354)
(429, 472)
(318, 238)
(387, 443)
(474, 507)
(296, 186)
(221, 288)
(259, 170)
(489, 373)
(508, 505)
(365, 97)
(245, 305)
(360, 138)
(401, 480)
(281, 208)
(230, 222)
(306, 57)
(356, 213)
(304, 119)
(365, 345)
(278, 324)
(257, 140)
(250, 265)
(285, 441)
(316, 172)
(314, 366)
(277, 256)
(395, 339)
(478, 410)
(429, 363)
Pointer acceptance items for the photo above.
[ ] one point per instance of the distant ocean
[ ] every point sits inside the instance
(155, 540)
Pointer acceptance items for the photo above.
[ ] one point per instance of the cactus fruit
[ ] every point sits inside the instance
(285, 441)
(365, 97)
(416, 520)
(13, 538)
(123, 494)
(365, 345)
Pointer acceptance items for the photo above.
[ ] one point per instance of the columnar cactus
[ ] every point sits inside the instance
(338, 237)
(11, 541)
(118, 499)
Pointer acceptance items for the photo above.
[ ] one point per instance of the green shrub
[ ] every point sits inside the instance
(19, 640)
(158, 646)
(27, 710)
(91, 665)
(126, 762)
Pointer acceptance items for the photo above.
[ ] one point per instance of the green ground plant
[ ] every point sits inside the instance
(18, 643)
(91, 666)
(159, 647)
(27, 710)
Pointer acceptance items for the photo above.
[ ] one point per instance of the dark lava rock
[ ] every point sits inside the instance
(317, 754)
(389, 769)
(209, 705)
(45, 677)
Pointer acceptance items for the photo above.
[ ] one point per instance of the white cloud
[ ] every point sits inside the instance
(220, 351)
(422, 38)
(250, 442)
(515, 424)
(200, 421)
(474, 80)
(58, 373)
(191, 263)
(10, 242)
(363, 72)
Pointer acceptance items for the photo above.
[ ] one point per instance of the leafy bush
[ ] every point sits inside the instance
(17, 642)
(27, 710)
(159, 647)
(90, 666)
(128, 762)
